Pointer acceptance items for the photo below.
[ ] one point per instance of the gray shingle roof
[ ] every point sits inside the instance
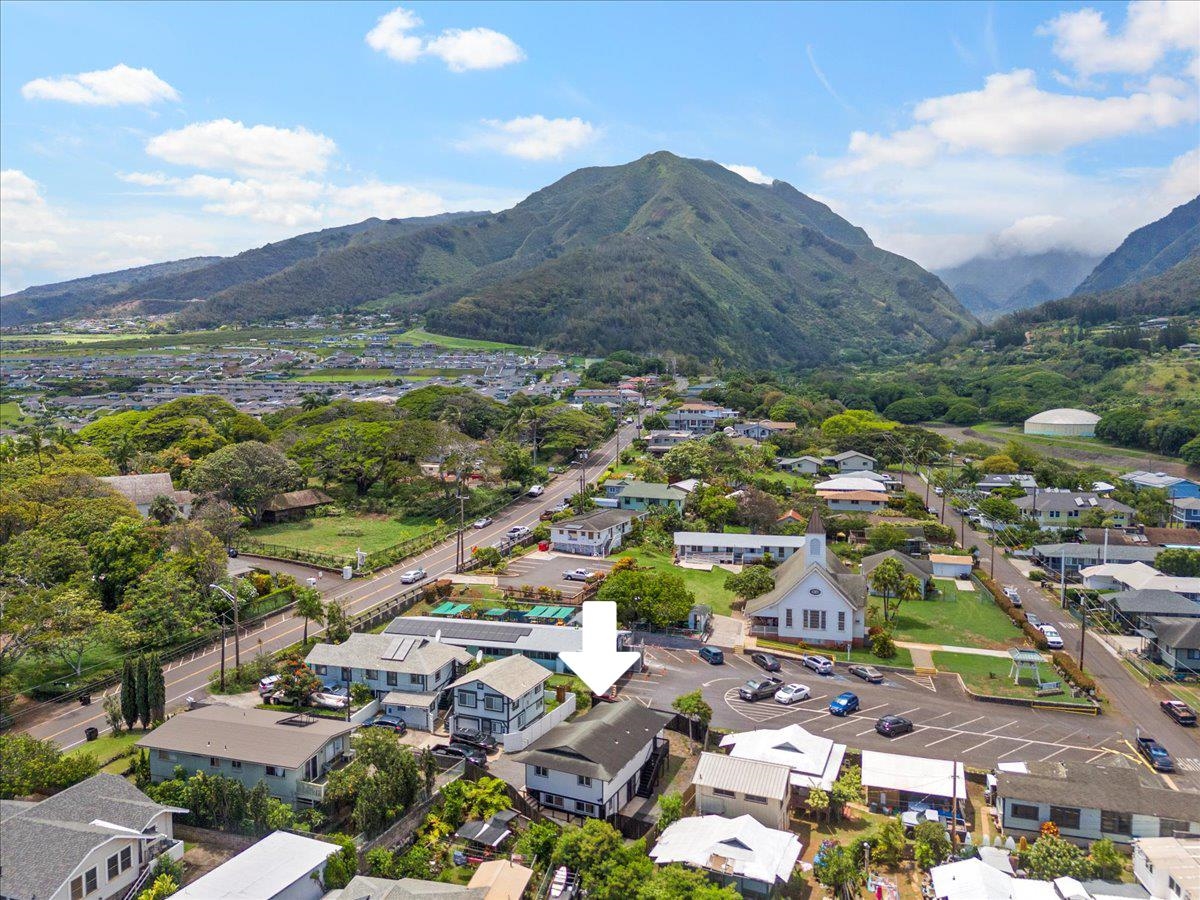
(598, 520)
(651, 490)
(513, 676)
(1096, 552)
(599, 744)
(1151, 601)
(1118, 789)
(921, 568)
(387, 653)
(1065, 501)
(44, 842)
(363, 887)
(1176, 631)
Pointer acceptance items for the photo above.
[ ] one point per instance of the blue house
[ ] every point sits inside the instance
(1187, 511)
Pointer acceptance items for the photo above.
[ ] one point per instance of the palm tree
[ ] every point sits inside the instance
(886, 581)
(64, 437)
(35, 443)
(311, 401)
(123, 453)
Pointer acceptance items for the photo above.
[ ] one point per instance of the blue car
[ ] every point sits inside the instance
(844, 704)
(712, 655)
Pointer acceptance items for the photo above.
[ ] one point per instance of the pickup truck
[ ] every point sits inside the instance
(1179, 711)
(1155, 753)
(579, 574)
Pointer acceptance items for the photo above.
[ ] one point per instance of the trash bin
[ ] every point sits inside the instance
(543, 546)
(91, 732)
(85, 700)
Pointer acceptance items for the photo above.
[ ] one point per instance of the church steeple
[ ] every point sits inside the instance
(814, 540)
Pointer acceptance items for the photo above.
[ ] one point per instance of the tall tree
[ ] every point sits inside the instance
(309, 605)
(156, 689)
(143, 691)
(129, 702)
(246, 476)
(885, 581)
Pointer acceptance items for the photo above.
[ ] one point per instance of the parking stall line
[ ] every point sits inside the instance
(999, 727)
(963, 724)
(840, 725)
(907, 711)
(980, 744)
(940, 716)
(861, 733)
(1054, 753)
(901, 737)
(1018, 749)
(948, 737)
(1097, 756)
(876, 706)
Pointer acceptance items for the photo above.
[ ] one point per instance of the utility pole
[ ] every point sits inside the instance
(1082, 628)
(954, 807)
(992, 564)
(222, 653)
(460, 543)
(237, 644)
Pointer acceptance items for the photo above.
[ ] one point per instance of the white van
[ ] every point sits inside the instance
(536, 491)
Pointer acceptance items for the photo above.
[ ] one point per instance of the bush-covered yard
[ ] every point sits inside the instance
(954, 618)
(902, 659)
(709, 587)
(340, 535)
(989, 675)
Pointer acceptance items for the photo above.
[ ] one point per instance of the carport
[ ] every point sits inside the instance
(416, 710)
(894, 781)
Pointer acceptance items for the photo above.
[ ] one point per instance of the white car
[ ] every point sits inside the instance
(1053, 639)
(536, 491)
(482, 523)
(1013, 597)
(792, 693)
(938, 491)
(329, 700)
(517, 532)
(819, 664)
(412, 576)
(578, 574)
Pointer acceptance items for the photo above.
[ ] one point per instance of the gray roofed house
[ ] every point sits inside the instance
(501, 697)
(1065, 509)
(511, 676)
(387, 653)
(1133, 606)
(595, 533)
(141, 490)
(643, 495)
(102, 832)
(921, 569)
(1176, 642)
(364, 887)
(1076, 556)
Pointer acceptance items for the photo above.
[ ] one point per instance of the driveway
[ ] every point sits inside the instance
(545, 570)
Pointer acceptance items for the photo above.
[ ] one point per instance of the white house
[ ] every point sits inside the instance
(282, 866)
(735, 548)
(853, 501)
(893, 780)
(662, 440)
(764, 430)
(799, 465)
(596, 533)
(851, 484)
(1168, 866)
(407, 673)
(949, 565)
(1138, 576)
(815, 600)
(93, 840)
(756, 861)
(502, 696)
(852, 461)
(594, 765)
(733, 786)
(814, 761)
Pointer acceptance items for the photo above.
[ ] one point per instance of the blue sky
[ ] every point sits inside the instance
(133, 133)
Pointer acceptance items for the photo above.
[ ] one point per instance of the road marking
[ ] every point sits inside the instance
(1097, 756)
(998, 727)
(848, 721)
(946, 738)
(876, 706)
(861, 733)
(943, 715)
(907, 711)
(963, 724)
(1188, 764)
(925, 681)
(1016, 749)
(977, 746)
(1054, 753)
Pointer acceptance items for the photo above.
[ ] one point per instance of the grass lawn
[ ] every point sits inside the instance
(1070, 442)
(794, 481)
(11, 415)
(989, 675)
(902, 659)
(109, 746)
(340, 534)
(421, 336)
(709, 587)
(958, 619)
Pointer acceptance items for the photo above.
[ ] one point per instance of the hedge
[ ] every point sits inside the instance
(1072, 672)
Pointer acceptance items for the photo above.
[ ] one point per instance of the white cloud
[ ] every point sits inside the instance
(1012, 115)
(533, 137)
(227, 145)
(387, 201)
(750, 173)
(120, 85)
(461, 49)
(825, 82)
(1152, 30)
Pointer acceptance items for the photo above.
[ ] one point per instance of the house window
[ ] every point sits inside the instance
(235, 763)
(1026, 811)
(126, 858)
(841, 621)
(814, 619)
(345, 674)
(1116, 822)
(754, 798)
(1065, 817)
(584, 780)
(114, 867)
(465, 698)
(541, 772)
(372, 674)
(1169, 827)
(721, 792)
(275, 771)
(494, 704)
(322, 670)
(392, 680)
(787, 618)
(214, 763)
(582, 807)
(164, 755)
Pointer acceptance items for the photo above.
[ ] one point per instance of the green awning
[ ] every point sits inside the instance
(536, 613)
(442, 609)
(561, 612)
(496, 613)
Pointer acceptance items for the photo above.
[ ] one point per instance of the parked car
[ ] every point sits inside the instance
(792, 693)
(1053, 639)
(869, 674)
(536, 491)
(712, 655)
(893, 726)
(1179, 711)
(819, 664)
(1155, 753)
(759, 689)
(267, 685)
(766, 662)
(938, 491)
(391, 723)
(473, 737)
(517, 532)
(328, 699)
(449, 754)
(560, 506)
(482, 523)
(579, 574)
(844, 704)
(1033, 620)
(1014, 597)
(412, 576)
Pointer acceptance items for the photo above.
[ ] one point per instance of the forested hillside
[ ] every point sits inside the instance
(1149, 251)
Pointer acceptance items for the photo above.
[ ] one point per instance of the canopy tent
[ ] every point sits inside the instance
(450, 609)
(498, 613)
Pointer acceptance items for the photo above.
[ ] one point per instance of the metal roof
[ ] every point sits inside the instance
(745, 776)
(720, 539)
(264, 869)
(1064, 416)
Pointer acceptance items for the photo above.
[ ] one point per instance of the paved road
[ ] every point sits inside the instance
(189, 677)
(1131, 703)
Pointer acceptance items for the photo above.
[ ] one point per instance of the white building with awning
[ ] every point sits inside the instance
(814, 761)
(894, 780)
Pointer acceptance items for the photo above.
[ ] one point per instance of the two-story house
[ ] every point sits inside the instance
(661, 440)
(989, 483)
(596, 764)
(1186, 511)
(408, 674)
(815, 600)
(852, 461)
(698, 417)
(292, 754)
(596, 533)
(93, 840)
(764, 430)
(1051, 508)
(500, 697)
(646, 495)
(733, 786)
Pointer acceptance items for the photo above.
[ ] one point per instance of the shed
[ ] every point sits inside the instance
(894, 780)
(294, 504)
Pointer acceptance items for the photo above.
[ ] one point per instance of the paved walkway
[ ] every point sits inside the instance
(950, 648)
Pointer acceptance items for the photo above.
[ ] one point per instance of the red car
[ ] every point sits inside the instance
(1179, 711)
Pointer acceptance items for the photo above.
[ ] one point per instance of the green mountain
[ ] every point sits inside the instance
(992, 285)
(663, 253)
(1149, 251)
(93, 293)
(165, 286)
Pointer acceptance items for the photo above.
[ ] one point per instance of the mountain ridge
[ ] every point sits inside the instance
(992, 285)
(1148, 251)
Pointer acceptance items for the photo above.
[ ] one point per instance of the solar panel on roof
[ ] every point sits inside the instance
(462, 630)
(399, 649)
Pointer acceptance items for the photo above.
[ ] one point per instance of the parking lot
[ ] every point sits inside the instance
(540, 569)
(948, 723)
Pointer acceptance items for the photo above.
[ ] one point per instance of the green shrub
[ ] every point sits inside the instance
(882, 645)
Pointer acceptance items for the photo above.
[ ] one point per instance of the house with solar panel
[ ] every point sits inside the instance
(497, 639)
(407, 673)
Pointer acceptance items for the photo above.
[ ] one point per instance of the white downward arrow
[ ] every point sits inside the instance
(599, 663)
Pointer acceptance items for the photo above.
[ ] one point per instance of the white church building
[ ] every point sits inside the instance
(816, 600)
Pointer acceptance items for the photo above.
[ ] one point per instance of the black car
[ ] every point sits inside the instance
(759, 689)
(768, 662)
(392, 723)
(893, 726)
(449, 754)
(473, 738)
